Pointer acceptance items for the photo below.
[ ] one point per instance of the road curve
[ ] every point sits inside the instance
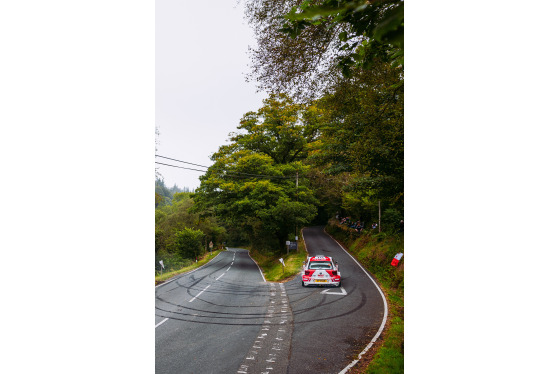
(333, 325)
(206, 320)
(224, 318)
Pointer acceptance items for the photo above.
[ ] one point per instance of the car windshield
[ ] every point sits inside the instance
(320, 265)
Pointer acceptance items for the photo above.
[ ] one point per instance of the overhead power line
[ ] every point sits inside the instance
(180, 167)
(184, 162)
(225, 172)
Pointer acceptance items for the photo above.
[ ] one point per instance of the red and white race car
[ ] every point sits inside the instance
(320, 270)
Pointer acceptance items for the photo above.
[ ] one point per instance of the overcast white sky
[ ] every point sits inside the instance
(201, 92)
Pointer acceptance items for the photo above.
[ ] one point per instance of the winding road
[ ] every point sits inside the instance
(225, 318)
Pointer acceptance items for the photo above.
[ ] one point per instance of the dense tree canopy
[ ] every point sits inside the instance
(178, 215)
(304, 46)
(363, 133)
(253, 183)
(367, 29)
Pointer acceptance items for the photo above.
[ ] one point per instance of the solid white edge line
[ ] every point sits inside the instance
(262, 275)
(161, 322)
(384, 307)
(303, 237)
(183, 274)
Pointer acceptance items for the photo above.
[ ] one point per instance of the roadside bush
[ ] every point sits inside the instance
(188, 242)
(390, 220)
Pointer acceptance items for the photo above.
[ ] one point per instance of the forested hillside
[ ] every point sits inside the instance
(182, 234)
(164, 194)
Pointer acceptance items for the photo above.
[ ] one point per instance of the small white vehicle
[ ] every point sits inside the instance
(320, 271)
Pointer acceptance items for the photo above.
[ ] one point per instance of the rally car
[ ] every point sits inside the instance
(320, 270)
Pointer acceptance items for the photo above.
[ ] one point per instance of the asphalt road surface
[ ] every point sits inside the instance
(224, 318)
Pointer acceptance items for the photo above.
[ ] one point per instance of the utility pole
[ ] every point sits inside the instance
(297, 199)
(379, 201)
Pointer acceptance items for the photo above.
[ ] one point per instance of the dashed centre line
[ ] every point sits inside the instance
(191, 300)
(161, 322)
(200, 293)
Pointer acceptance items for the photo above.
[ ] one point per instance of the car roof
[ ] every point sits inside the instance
(320, 258)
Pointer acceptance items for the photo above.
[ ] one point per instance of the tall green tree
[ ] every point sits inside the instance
(280, 129)
(363, 133)
(252, 183)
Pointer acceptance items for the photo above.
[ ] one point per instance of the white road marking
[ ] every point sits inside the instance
(190, 301)
(330, 292)
(384, 307)
(221, 276)
(161, 322)
(264, 280)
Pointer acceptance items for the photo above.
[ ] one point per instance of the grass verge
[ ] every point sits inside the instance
(375, 252)
(389, 359)
(207, 257)
(272, 268)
